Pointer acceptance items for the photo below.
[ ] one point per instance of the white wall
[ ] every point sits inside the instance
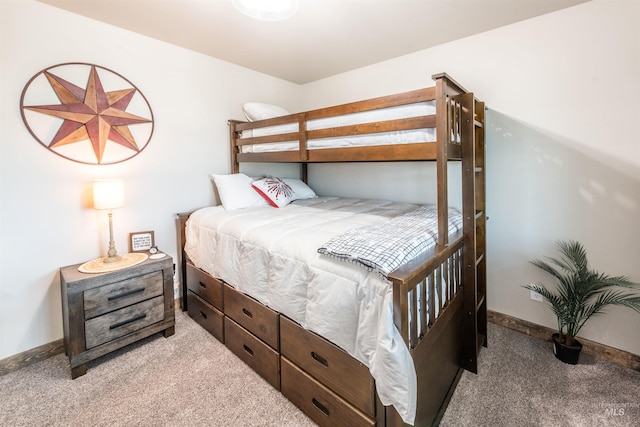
(562, 147)
(563, 158)
(44, 219)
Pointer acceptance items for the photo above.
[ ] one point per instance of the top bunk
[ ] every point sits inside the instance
(423, 124)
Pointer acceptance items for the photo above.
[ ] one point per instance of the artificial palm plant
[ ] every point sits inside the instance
(581, 292)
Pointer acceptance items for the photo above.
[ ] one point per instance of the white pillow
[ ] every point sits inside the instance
(254, 111)
(274, 190)
(236, 192)
(300, 189)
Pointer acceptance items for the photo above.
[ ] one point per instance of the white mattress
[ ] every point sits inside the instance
(271, 254)
(385, 138)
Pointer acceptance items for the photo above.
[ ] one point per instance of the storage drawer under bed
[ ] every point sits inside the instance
(317, 401)
(329, 364)
(205, 315)
(205, 286)
(255, 353)
(256, 318)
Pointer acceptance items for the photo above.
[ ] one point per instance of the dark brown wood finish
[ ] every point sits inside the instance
(481, 223)
(205, 286)
(614, 355)
(437, 359)
(261, 321)
(319, 402)
(206, 315)
(181, 223)
(235, 166)
(434, 335)
(204, 299)
(401, 152)
(443, 132)
(255, 353)
(29, 357)
(470, 331)
(104, 324)
(474, 270)
(419, 95)
(328, 364)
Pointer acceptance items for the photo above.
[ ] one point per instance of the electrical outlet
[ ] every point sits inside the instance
(535, 296)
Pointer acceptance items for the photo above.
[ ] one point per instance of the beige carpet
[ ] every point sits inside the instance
(520, 383)
(190, 379)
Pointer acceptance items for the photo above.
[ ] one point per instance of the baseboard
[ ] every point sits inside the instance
(614, 355)
(26, 358)
(29, 357)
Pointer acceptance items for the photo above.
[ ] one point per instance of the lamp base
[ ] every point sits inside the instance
(109, 259)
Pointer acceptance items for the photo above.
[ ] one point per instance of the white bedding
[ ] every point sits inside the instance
(385, 138)
(272, 255)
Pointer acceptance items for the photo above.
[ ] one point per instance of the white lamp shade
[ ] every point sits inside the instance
(108, 194)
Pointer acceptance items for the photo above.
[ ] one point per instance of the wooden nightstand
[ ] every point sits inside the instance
(106, 311)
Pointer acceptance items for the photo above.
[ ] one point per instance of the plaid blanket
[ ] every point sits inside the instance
(385, 246)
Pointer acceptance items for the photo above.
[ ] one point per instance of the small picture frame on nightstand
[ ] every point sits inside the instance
(141, 241)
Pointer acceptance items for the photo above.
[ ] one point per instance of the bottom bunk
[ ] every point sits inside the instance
(331, 386)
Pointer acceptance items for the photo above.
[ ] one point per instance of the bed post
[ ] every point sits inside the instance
(441, 160)
(182, 221)
(233, 136)
(460, 120)
(302, 141)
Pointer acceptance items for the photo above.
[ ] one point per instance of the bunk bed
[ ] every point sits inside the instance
(438, 305)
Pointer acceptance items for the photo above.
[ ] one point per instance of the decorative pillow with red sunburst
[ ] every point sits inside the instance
(274, 190)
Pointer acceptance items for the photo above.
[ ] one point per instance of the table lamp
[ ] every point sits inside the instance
(109, 194)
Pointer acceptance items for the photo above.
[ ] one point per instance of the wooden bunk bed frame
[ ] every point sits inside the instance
(443, 340)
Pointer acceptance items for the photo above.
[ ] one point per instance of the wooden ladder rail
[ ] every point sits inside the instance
(474, 334)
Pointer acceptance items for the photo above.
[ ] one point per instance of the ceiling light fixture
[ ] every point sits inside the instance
(267, 10)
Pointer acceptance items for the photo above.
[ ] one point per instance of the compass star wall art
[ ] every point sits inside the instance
(87, 113)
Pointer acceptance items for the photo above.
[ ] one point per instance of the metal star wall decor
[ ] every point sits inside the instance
(86, 113)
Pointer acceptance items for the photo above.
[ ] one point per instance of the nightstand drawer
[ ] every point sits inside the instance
(110, 326)
(329, 364)
(111, 297)
(205, 286)
(261, 321)
(317, 401)
(259, 356)
(205, 315)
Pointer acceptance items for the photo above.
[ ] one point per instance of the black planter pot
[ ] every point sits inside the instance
(566, 353)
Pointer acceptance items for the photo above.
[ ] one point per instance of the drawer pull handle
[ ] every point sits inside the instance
(203, 314)
(247, 313)
(126, 322)
(126, 294)
(248, 350)
(203, 285)
(321, 360)
(320, 407)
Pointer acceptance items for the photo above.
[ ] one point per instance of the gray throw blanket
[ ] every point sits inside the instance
(385, 246)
